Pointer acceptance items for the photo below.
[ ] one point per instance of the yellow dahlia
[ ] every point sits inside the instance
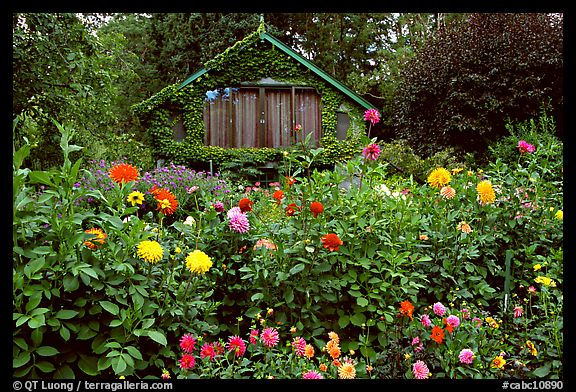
(150, 251)
(439, 177)
(559, 215)
(485, 192)
(198, 262)
(347, 371)
(135, 198)
(498, 362)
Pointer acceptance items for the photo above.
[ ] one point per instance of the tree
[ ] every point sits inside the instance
(474, 74)
(60, 72)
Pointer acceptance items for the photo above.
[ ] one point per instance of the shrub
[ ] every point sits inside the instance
(461, 86)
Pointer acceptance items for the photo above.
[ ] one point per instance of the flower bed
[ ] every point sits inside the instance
(174, 273)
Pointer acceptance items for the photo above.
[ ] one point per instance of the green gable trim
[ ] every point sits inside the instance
(192, 78)
(307, 63)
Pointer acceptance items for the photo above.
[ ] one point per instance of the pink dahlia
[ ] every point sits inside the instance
(239, 223)
(236, 344)
(420, 370)
(438, 309)
(312, 375)
(270, 337)
(187, 343)
(372, 115)
(371, 151)
(453, 321)
(233, 211)
(477, 322)
(466, 356)
(425, 320)
(208, 351)
(525, 147)
(299, 345)
(218, 206)
(187, 362)
(254, 336)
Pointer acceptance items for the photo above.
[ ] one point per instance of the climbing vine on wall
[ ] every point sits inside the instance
(251, 59)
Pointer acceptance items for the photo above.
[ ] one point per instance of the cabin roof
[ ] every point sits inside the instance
(265, 36)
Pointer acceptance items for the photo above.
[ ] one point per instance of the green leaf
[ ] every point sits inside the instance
(89, 365)
(90, 272)
(256, 296)
(297, 268)
(542, 371)
(65, 333)
(22, 320)
(343, 321)
(358, 319)
(115, 323)
(37, 321)
(361, 301)
(157, 337)
(66, 314)
(289, 295)
(70, 283)
(46, 351)
(133, 351)
(35, 265)
(252, 312)
(118, 365)
(21, 360)
(41, 177)
(45, 367)
(34, 301)
(110, 307)
(65, 372)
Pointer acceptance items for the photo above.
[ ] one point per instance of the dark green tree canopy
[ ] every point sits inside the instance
(462, 85)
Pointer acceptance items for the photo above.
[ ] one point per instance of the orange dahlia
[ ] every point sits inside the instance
(278, 195)
(245, 204)
(317, 208)
(406, 309)
(448, 192)
(292, 208)
(331, 242)
(93, 243)
(167, 203)
(437, 334)
(123, 173)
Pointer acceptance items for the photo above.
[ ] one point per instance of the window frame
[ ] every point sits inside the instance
(260, 140)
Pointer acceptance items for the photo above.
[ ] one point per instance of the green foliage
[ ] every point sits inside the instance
(401, 241)
(62, 71)
(116, 310)
(463, 83)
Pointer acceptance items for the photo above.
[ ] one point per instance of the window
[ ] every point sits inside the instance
(342, 125)
(261, 116)
(178, 130)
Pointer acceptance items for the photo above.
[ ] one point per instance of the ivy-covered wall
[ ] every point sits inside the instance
(251, 59)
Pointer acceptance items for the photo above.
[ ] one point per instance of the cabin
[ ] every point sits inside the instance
(256, 100)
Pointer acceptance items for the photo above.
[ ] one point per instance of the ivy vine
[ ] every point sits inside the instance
(250, 59)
